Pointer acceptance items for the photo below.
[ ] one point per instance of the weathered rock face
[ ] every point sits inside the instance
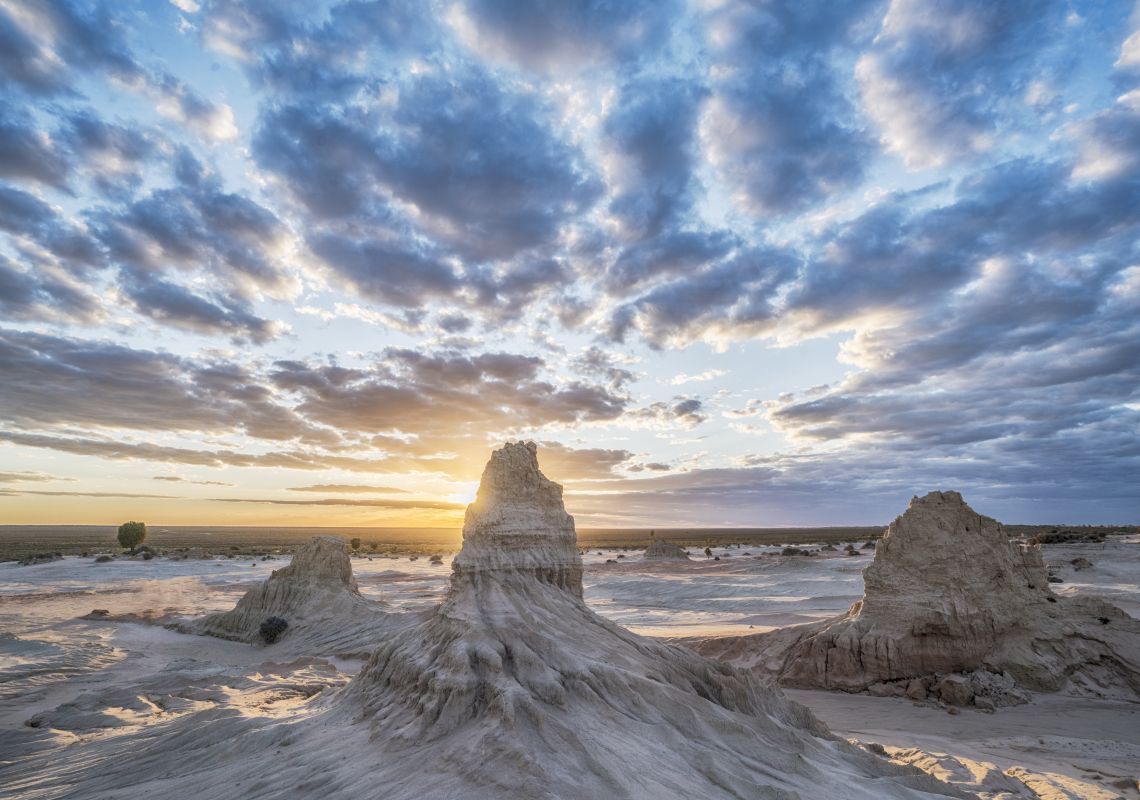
(516, 688)
(661, 550)
(518, 524)
(948, 592)
(316, 595)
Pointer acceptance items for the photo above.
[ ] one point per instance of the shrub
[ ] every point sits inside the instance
(131, 534)
(354, 543)
(272, 628)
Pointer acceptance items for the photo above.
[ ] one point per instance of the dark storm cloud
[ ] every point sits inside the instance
(779, 124)
(939, 83)
(570, 33)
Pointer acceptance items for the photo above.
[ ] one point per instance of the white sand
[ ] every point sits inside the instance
(58, 660)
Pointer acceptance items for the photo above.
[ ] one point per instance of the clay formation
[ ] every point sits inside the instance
(953, 610)
(661, 550)
(317, 597)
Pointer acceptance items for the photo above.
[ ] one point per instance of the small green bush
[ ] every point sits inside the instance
(132, 534)
(354, 544)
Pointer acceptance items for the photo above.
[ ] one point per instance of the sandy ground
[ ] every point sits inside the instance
(1072, 747)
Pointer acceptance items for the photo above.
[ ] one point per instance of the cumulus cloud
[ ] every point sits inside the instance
(936, 79)
(549, 36)
(469, 176)
(684, 412)
(517, 183)
(55, 381)
(779, 125)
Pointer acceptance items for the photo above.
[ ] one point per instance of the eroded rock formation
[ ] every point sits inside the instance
(948, 592)
(513, 688)
(661, 550)
(522, 690)
(316, 595)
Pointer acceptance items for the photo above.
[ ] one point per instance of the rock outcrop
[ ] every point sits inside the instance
(661, 550)
(317, 597)
(949, 592)
(516, 688)
(513, 688)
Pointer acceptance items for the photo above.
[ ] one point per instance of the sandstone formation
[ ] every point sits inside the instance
(661, 550)
(952, 610)
(318, 598)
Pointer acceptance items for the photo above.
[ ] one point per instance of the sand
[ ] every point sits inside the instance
(59, 660)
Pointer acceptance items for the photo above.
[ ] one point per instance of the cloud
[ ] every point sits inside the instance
(178, 307)
(445, 396)
(50, 45)
(30, 477)
(36, 493)
(651, 132)
(515, 187)
(423, 505)
(700, 377)
(178, 479)
(685, 412)
(27, 153)
(735, 299)
(564, 35)
(937, 81)
(55, 381)
(44, 294)
(779, 126)
(198, 226)
(112, 450)
(348, 488)
(564, 463)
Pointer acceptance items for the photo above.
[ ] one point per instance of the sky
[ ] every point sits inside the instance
(729, 262)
